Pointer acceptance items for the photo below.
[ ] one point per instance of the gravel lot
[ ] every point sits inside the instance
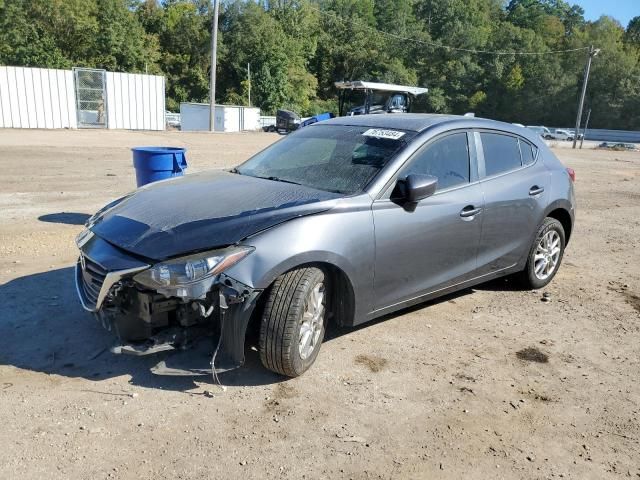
(488, 383)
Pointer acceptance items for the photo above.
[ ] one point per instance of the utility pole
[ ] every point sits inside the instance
(214, 62)
(592, 53)
(249, 80)
(586, 125)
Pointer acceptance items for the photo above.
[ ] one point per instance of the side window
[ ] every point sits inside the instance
(501, 153)
(528, 152)
(446, 158)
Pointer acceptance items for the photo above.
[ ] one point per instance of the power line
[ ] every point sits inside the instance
(438, 45)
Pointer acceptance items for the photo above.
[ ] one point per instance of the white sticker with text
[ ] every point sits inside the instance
(381, 133)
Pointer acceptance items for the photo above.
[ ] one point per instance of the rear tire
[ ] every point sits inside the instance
(545, 255)
(294, 320)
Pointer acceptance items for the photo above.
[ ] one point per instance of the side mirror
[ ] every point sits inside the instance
(418, 187)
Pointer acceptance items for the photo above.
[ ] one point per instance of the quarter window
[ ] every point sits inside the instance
(501, 153)
(446, 158)
(528, 152)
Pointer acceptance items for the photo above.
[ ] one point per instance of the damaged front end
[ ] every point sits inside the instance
(168, 305)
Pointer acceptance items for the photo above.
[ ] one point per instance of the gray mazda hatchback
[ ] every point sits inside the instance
(343, 221)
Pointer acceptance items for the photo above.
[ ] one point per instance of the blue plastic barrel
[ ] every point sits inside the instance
(158, 163)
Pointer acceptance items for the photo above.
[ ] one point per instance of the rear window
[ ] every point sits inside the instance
(501, 153)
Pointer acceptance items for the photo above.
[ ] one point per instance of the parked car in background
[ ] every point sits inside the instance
(172, 119)
(268, 123)
(287, 121)
(563, 134)
(342, 221)
(544, 132)
(572, 134)
(560, 134)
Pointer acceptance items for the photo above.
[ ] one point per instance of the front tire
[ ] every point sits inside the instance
(294, 320)
(545, 254)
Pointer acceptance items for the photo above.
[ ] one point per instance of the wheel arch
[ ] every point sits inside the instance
(342, 302)
(561, 214)
(342, 299)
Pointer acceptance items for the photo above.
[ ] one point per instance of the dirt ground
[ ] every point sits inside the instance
(492, 382)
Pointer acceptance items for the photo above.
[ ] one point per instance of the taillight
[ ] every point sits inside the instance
(572, 174)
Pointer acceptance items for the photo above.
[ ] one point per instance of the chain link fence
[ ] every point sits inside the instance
(91, 97)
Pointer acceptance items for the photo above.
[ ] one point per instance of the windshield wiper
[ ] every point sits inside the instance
(235, 170)
(278, 179)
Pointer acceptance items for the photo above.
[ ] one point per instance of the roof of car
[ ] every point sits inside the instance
(417, 122)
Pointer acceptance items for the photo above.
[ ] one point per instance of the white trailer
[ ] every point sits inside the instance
(194, 117)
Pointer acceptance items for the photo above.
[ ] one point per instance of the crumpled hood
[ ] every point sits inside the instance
(203, 211)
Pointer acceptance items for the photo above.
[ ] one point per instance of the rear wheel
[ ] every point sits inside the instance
(545, 255)
(293, 322)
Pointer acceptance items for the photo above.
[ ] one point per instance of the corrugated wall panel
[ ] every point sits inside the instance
(14, 104)
(70, 95)
(28, 98)
(56, 111)
(147, 101)
(139, 103)
(38, 97)
(133, 113)
(45, 89)
(5, 107)
(161, 95)
(125, 120)
(21, 94)
(111, 112)
(116, 84)
(153, 103)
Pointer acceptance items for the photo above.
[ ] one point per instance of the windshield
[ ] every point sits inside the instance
(334, 158)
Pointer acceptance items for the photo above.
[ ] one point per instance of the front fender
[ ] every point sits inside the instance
(342, 238)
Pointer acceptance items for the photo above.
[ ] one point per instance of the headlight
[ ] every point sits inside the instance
(191, 276)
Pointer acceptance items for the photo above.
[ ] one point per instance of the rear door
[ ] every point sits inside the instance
(515, 187)
(433, 244)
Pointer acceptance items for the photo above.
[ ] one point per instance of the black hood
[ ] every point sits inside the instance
(203, 211)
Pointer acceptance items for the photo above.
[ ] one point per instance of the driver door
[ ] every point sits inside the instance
(433, 244)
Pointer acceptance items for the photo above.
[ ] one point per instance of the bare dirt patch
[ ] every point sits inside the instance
(633, 300)
(373, 363)
(532, 354)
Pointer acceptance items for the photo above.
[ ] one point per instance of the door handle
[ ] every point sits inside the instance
(536, 190)
(469, 211)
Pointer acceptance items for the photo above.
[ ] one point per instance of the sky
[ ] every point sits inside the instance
(621, 10)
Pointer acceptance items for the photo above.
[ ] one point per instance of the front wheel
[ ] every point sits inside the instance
(545, 255)
(294, 321)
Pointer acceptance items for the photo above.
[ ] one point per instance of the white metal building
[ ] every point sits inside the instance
(194, 117)
(80, 98)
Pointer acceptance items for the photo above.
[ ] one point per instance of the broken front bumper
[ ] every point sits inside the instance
(146, 322)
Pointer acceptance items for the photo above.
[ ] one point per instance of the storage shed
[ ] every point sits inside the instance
(228, 118)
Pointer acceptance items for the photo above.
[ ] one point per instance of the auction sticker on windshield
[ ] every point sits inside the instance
(381, 133)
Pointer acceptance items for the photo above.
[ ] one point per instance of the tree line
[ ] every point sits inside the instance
(464, 51)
